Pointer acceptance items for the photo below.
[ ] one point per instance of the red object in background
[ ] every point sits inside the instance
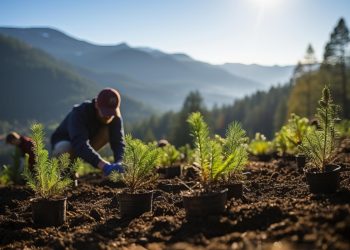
(27, 147)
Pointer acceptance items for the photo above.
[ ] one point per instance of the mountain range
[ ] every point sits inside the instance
(36, 86)
(150, 76)
(267, 75)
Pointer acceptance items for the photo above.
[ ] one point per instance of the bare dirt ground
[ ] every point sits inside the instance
(276, 212)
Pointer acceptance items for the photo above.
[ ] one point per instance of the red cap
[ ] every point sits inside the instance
(108, 101)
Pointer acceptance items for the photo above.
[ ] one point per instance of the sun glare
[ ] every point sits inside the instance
(266, 3)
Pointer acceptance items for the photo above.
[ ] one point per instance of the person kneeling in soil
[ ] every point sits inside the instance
(88, 127)
(25, 146)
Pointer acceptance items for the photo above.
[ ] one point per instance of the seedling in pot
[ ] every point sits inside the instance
(217, 160)
(169, 161)
(261, 148)
(171, 168)
(298, 127)
(319, 146)
(48, 180)
(139, 162)
(290, 137)
(234, 146)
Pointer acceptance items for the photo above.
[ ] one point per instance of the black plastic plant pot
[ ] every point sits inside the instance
(204, 204)
(346, 150)
(301, 161)
(264, 157)
(49, 212)
(172, 171)
(172, 187)
(161, 171)
(133, 205)
(274, 155)
(324, 182)
(288, 157)
(234, 190)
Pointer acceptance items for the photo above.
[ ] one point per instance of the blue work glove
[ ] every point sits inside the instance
(108, 168)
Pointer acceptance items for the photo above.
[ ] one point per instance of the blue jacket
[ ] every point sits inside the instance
(81, 125)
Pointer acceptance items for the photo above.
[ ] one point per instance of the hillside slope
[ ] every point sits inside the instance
(35, 86)
(165, 79)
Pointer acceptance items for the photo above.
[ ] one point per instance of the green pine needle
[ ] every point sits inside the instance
(50, 175)
(319, 145)
(219, 158)
(139, 161)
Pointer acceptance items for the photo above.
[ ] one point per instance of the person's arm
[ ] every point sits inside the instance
(79, 137)
(116, 133)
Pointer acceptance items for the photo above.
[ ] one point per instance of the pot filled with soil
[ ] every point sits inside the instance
(169, 158)
(288, 157)
(132, 205)
(320, 147)
(220, 160)
(49, 178)
(49, 212)
(138, 176)
(174, 185)
(301, 161)
(264, 157)
(324, 182)
(170, 172)
(200, 204)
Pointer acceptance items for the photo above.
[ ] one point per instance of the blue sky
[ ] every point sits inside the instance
(217, 31)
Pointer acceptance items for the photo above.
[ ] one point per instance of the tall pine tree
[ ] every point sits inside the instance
(335, 55)
(181, 132)
(309, 62)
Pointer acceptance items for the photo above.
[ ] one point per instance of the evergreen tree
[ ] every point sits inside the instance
(309, 61)
(181, 133)
(335, 55)
(298, 71)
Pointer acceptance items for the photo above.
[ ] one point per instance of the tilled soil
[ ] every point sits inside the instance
(276, 212)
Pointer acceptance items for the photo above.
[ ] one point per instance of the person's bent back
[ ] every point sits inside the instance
(88, 127)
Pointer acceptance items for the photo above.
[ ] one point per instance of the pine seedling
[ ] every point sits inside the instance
(291, 135)
(235, 147)
(283, 145)
(298, 127)
(319, 145)
(11, 174)
(203, 147)
(260, 146)
(50, 175)
(139, 161)
(169, 155)
(217, 158)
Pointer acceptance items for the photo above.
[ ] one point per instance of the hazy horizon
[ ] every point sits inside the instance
(140, 47)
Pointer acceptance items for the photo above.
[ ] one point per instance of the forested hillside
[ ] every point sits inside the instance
(35, 86)
(263, 111)
(266, 111)
(29, 74)
(157, 78)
